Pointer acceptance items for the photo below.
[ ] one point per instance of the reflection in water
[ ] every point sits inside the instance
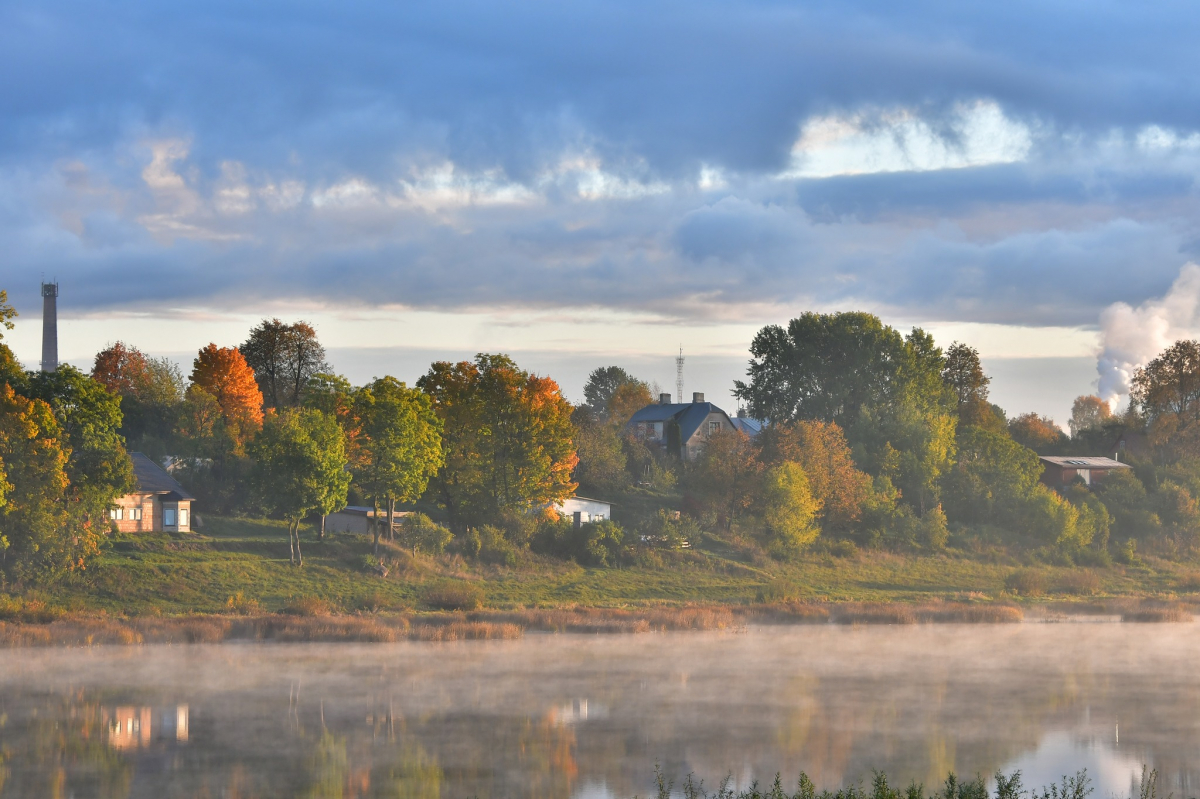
(588, 717)
(134, 727)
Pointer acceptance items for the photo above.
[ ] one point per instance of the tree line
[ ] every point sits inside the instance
(871, 436)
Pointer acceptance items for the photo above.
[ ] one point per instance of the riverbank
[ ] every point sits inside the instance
(96, 630)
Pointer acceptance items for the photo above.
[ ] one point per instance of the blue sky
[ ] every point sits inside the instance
(591, 183)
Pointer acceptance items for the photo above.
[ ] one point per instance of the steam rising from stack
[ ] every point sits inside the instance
(1130, 337)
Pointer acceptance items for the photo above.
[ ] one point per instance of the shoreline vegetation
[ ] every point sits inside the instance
(312, 622)
(1078, 786)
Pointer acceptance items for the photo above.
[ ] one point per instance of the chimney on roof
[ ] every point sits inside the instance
(697, 396)
(664, 399)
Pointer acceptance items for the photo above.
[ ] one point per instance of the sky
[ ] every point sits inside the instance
(584, 184)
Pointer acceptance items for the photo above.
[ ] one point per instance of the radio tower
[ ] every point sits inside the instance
(679, 377)
(49, 326)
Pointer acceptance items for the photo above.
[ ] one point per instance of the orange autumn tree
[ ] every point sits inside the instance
(223, 373)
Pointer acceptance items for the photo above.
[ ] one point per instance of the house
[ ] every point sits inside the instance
(357, 519)
(680, 428)
(1130, 444)
(589, 510)
(1058, 472)
(158, 504)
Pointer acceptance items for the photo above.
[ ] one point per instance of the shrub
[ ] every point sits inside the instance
(1081, 582)
(421, 534)
(454, 596)
(593, 544)
(489, 545)
(843, 549)
(1026, 582)
(241, 605)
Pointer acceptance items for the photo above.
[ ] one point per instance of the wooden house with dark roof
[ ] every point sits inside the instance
(1059, 472)
(159, 503)
(680, 428)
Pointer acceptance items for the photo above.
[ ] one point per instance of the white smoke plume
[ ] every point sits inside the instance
(1130, 337)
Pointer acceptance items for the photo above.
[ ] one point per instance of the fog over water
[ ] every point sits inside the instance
(580, 716)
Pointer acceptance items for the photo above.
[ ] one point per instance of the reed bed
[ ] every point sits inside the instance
(315, 621)
(1009, 786)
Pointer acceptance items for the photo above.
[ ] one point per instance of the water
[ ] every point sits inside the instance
(584, 716)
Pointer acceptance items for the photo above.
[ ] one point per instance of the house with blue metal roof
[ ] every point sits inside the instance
(679, 427)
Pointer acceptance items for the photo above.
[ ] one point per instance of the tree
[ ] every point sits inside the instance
(300, 467)
(602, 465)
(1088, 413)
(628, 399)
(508, 437)
(7, 312)
(223, 373)
(98, 467)
(831, 366)
(603, 383)
(723, 480)
(401, 445)
(284, 359)
(789, 510)
(1167, 392)
(964, 374)
(841, 489)
(1038, 433)
(34, 534)
(151, 390)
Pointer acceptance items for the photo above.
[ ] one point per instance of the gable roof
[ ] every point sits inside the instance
(688, 415)
(1083, 462)
(153, 479)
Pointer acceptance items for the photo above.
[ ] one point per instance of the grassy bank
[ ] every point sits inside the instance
(239, 568)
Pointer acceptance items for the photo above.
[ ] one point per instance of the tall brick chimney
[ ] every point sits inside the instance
(49, 327)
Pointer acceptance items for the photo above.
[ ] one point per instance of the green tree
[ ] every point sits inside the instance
(98, 467)
(964, 374)
(604, 383)
(831, 366)
(299, 467)
(7, 312)
(602, 466)
(34, 535)
(1167, 392)
(400, 444)
(284, 357)
(508, 437)
(789, 510)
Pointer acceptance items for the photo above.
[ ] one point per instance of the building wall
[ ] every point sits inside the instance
(344, 522)
(696, 443)
(593, 510)
(128, 504)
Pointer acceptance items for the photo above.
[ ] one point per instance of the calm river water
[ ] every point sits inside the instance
(588, 716)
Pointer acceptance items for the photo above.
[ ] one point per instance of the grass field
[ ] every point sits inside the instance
(239, 566)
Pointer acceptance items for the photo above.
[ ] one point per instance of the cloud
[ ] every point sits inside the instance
(1131, 337)
(700, 159)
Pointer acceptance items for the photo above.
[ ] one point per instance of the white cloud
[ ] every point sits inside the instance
(975, 134)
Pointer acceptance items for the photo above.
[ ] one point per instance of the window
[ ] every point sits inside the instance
(115, 514)
(135, 514)
(183, 517)
(168, 517)
(714, 427)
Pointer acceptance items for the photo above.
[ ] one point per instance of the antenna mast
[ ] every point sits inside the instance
(679, 377)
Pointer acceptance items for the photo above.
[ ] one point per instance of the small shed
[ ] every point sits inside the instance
(357, 519)
(1058, 472)
(589, 510)
(158, 503)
